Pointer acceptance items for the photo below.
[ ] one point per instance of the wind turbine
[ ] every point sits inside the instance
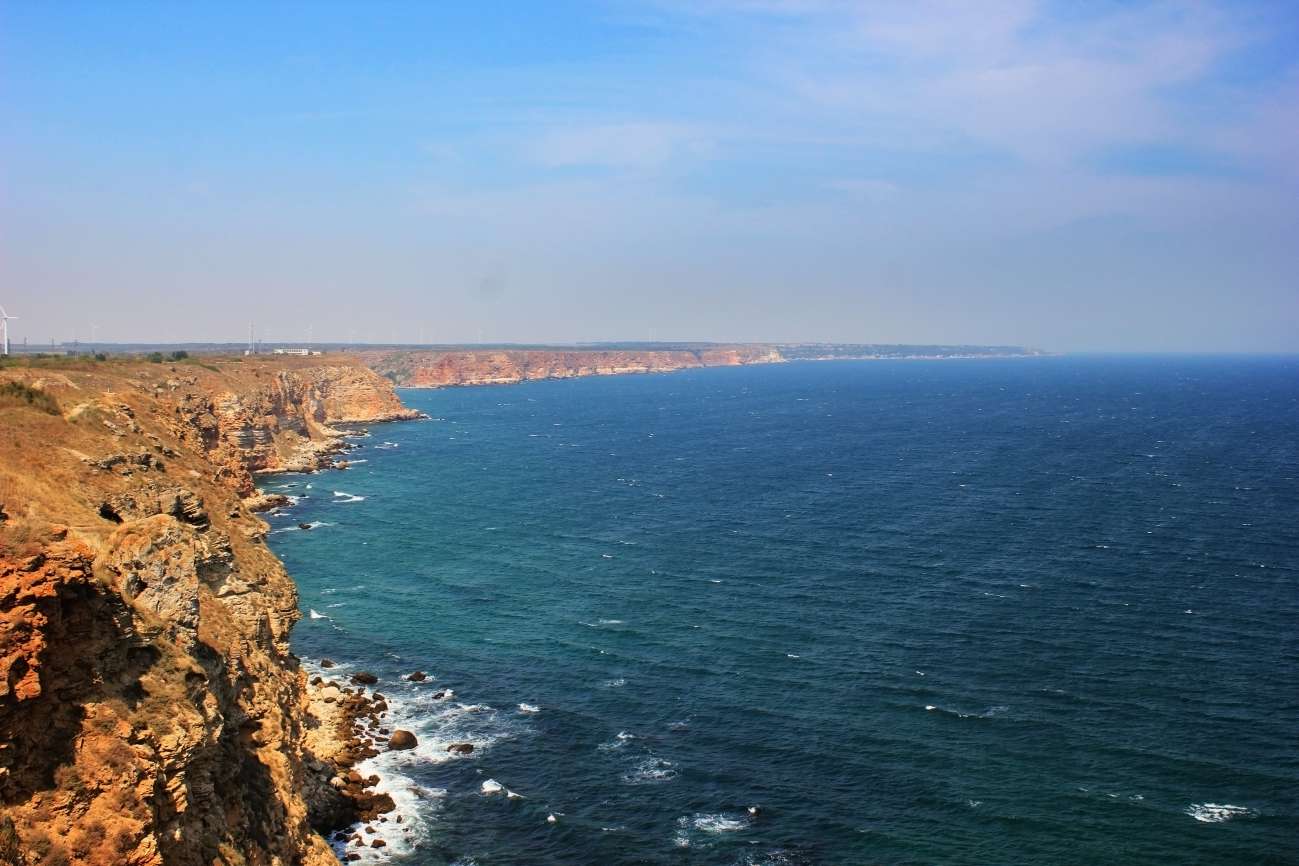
(4, 323)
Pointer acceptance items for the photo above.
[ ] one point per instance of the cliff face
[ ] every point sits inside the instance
(433, 369)
(150, 710)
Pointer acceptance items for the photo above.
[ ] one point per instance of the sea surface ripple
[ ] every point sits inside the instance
(1031, 611)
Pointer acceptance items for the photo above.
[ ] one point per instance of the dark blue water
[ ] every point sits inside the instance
(1026, 611)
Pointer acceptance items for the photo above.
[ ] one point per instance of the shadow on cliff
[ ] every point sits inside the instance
(89, 645)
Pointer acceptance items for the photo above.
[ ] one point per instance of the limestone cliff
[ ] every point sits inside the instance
(150, 710)
(437, 369)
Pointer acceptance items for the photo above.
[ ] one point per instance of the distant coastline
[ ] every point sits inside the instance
(444, 367)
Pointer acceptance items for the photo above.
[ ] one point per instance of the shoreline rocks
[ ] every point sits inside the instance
(401, 740)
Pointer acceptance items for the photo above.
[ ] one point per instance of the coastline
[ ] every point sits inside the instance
(421, 368)
(151, 710)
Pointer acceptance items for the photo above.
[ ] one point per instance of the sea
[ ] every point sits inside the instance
(997, 611)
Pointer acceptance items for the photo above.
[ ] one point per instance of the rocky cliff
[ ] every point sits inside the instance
(150, 710)
(437, 369)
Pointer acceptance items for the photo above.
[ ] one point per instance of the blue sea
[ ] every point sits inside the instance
(1021, 611)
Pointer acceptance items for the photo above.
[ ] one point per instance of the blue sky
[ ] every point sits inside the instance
(1074, 176)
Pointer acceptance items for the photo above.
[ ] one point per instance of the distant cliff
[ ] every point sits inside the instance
(439, 368)
(150, 710)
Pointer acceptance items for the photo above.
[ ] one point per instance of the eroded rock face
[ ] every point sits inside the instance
(431, 369)
(282, 421)
(150, 711)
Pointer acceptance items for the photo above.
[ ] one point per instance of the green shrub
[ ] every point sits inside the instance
(179, 355)
(12, 393)
(155, 357)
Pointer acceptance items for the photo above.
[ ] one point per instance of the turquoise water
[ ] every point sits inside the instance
(1025, 611)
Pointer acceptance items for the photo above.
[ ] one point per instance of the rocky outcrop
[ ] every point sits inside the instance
(434, 369)
(150, 709)
(281, 420)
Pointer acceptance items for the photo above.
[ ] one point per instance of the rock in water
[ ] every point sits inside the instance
(364, 678)
(326, 663)
(417, 677)
(460, 748)
(402, 740)
(304, 526)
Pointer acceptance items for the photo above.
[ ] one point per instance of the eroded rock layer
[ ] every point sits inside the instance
(150, 710)
(437, 369)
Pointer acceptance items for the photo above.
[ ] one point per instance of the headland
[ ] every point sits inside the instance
(151, 711)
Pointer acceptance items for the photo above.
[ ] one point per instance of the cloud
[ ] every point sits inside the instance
(1045, 83)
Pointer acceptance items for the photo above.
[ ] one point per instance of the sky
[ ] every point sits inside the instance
(1098, 176)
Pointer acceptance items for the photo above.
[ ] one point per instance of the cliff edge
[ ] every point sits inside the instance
(150, 710)
(438, 369)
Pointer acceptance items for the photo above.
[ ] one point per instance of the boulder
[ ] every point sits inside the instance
(402, 740)
(460, 748)
(326, 663)
(364, 678)
(417, 677)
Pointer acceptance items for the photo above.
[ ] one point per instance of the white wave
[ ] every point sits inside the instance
(792, 656)
(614, 684)
(356, 461)
(315, 615)
(340, 496)
(491, 786)
(436, 723)
(609, 621)
(650, 771)
(617, 742)
(1216, 813)
(718, 823)
(989, 713)
(529, 708)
